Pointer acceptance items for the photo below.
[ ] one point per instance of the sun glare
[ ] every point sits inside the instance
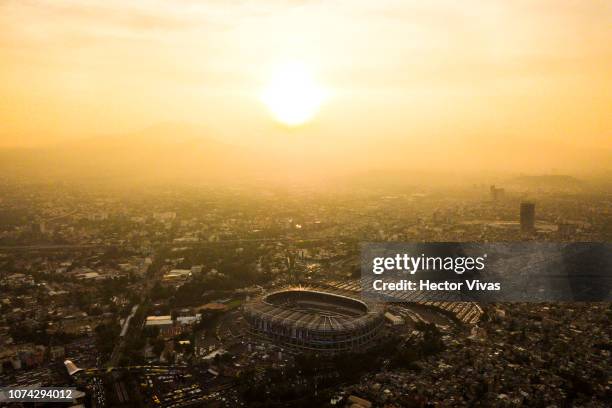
(292, 95)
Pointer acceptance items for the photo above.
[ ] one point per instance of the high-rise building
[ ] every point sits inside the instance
(496, 193)
(527, 217)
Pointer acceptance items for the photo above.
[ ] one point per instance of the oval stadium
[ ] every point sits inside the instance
(315, 320)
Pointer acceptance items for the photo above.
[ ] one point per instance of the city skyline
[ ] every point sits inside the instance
(305, 203)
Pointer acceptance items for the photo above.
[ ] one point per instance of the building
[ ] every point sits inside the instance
(164, 323)
(393, 319)
(177, 275)
(496, 193)
(311, 319)
(71, 367)
(527, 217)
(189, 320)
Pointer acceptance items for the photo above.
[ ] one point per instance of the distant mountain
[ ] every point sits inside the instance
(161, 153)
(549, 181)
(178, 152)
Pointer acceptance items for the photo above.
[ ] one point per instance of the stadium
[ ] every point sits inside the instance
(315, 320)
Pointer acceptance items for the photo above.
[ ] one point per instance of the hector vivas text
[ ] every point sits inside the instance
(408, 265)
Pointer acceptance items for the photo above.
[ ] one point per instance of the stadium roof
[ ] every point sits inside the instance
(336, 318)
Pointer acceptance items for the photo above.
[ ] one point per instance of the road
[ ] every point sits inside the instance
(120, 347)
(126, 324)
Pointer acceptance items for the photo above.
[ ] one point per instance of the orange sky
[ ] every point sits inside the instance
(396, 70)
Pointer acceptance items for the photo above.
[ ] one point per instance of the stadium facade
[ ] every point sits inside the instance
(315, 320)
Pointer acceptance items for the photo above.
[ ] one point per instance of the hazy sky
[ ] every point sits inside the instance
(395, 70)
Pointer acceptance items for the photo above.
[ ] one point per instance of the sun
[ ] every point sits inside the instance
(292, 95)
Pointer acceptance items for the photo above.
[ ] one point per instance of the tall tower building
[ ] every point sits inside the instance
(496, 193)
(527, 217)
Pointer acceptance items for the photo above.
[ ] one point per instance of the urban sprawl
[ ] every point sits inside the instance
(227, 297)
